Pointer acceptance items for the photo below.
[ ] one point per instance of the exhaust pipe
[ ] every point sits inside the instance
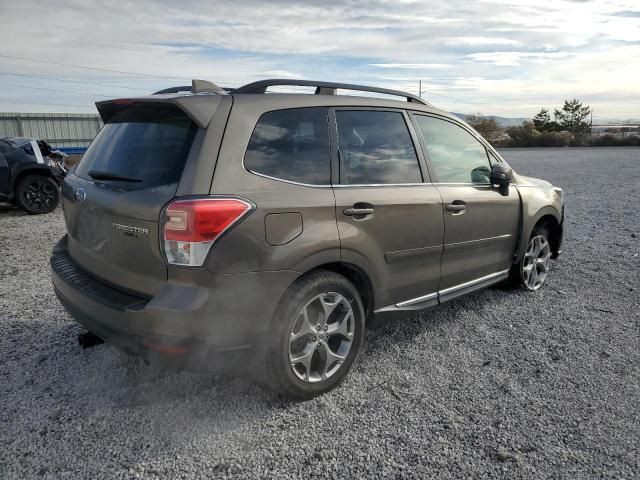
(88, 340)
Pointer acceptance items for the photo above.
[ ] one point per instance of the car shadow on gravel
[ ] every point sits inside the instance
(405, 331)
(100, 380)
(9, 210)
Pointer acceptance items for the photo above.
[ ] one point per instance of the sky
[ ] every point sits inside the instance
(494, 57)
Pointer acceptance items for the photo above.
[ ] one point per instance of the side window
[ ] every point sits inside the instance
(456, 155)
(291, 145)
(376, 148)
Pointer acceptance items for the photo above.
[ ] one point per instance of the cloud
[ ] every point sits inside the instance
(480, 41)
(516, 58)
(507, 54)
(627, 13)
(415, 66)
(282, 74)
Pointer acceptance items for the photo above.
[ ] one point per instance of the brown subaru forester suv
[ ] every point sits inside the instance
(229, 228)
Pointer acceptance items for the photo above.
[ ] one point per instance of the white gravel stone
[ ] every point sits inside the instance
(499, 384)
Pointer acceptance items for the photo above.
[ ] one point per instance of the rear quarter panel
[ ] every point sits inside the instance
(311, 242)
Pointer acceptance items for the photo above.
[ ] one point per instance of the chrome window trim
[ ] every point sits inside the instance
(360, 185)
(457, 184)
(336, 186)
(292, 182)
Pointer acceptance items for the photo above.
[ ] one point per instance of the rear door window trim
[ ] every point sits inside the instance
(413, 134)
(285, 180)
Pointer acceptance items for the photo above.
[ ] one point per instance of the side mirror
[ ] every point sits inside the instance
(501, 174)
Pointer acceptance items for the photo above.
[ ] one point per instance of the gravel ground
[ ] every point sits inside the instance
(501, 383)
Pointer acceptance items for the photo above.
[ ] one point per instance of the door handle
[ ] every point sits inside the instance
(456, 207)
(353, 212)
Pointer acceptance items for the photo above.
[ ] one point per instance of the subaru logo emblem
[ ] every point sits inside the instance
(79, 195)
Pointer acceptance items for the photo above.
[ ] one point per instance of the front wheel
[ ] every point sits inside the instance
(37, 194)
(315, 336)
(533, 269)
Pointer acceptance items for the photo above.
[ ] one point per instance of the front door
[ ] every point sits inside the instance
(389, 218)
(481, 221)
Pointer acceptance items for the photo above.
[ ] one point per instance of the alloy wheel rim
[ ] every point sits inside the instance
(39, 195)
(537, 260)
(321, 337)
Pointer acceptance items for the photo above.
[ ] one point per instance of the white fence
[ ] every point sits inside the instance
(58, 129)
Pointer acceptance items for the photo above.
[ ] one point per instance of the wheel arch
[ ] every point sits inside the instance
(545, 216)
(355, 274)
(35, 169)
(360, 280)
(555, 230)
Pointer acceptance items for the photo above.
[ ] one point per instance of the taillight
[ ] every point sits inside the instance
(192, 226)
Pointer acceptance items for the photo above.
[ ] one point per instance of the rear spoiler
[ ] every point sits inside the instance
(200, 108)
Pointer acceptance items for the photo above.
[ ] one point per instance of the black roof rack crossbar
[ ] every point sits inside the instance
(323, 88)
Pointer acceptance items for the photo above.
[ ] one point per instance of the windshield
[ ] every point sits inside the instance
(149, 143)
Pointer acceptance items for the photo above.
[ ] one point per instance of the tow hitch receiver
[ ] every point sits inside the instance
(88, 340)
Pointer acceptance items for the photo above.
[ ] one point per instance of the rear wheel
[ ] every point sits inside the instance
(37, 194)
(533, 269)
(315, 336)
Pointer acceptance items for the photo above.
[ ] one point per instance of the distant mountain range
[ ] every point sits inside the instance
(506, 122)
(502, 121)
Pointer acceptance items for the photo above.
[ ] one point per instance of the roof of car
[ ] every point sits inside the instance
(205, 96)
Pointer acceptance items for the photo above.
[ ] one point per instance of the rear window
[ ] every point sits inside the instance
(149, 143)
(291, 145)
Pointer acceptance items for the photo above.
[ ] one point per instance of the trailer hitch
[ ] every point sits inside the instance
(88, 340)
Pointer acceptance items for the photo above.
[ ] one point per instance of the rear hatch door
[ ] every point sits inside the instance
(113, 200)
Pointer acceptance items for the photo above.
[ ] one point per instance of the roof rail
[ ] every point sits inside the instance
(324, 88)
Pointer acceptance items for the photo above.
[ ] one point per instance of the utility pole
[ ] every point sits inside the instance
(420, 88)
(591, 126)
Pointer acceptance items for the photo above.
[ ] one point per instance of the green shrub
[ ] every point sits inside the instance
(609, 140)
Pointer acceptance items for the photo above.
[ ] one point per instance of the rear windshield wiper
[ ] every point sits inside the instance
(99, 175)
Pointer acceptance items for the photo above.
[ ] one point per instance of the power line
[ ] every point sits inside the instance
(24, 59)
(420, 92)
(474, 104)
(55, 90)
(9, 101)
(44, 77)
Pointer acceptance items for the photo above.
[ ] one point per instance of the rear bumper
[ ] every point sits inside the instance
(213, 323)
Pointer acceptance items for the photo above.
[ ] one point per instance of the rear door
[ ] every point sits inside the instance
(480, 221)
(113, 200)
(389, 215)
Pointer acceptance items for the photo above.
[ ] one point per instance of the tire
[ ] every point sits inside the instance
(533, 268)
(325, 356)
(37, 194)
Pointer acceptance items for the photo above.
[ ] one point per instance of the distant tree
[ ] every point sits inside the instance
(522, 136)
(485, 126)
(608, 140)
(526, 135)
(572, 118)
(543, 123)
